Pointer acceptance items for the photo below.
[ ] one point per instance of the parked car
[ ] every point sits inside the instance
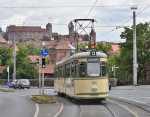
(22, 83)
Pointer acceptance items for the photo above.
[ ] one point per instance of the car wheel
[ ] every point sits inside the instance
(28, 87)
(19, 87)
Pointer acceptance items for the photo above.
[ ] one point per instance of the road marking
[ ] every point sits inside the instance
(134, 100)
(37, 110)
(124, 107)
(59, 110)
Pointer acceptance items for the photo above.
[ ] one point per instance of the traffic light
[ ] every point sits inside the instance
(38, 60)
(43, 62)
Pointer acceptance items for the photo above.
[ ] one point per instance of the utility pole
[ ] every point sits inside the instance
(39, 62)
(134, 49)
(14, 74)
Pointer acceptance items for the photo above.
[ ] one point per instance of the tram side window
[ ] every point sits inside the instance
(55, 73)
(60, 72)
(82, 70)
(64, 74)
(77, 70)
(68, 70)
(104, 69)
(72, 70)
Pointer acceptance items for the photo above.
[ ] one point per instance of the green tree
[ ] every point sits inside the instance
(81, 47)
(143, 53)
(103, 47)
(24, 68)
(85, 38)
(20, 40)
(46, 38)
(5, 56)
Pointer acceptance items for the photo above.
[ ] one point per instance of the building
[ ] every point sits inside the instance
(3, 42)
(28, 32)
(60, 50)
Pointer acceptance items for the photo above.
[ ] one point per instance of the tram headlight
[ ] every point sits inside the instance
(94, 89)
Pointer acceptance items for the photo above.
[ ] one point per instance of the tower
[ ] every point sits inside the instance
(93, 35)
(71, 29)
(49, 28)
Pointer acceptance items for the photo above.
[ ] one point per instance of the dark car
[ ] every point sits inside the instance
(22, 83)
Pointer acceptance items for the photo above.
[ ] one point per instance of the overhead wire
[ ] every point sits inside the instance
(123, 23)
(80, 6)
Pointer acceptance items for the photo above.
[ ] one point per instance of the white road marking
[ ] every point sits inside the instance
(59, 110)
(124, 107)
(37, 110)
(134, 101)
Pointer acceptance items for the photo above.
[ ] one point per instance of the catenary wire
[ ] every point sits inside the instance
(123, 23)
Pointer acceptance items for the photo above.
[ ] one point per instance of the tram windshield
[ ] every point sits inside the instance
(93, 69)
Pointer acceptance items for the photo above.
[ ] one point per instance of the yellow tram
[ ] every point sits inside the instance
(82, 76)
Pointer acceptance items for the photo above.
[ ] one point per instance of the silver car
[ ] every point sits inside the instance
(22, 83)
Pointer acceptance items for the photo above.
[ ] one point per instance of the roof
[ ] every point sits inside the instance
(33, 59)
(2, 40)
(114, 47)
(61, 44)
(23, 28)
(12, 47)
(1, 69)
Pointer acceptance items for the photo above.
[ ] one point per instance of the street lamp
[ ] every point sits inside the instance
(134, 49)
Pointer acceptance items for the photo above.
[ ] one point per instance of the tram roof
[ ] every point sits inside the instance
(83, 55)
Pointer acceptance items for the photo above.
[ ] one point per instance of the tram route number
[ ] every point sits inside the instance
(94, 82)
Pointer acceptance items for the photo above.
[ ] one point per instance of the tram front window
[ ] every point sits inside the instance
(93, 69)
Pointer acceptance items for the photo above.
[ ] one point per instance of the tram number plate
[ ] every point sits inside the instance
(94, 82)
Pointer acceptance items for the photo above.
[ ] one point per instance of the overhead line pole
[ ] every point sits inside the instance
(134, 49)
(14, 74)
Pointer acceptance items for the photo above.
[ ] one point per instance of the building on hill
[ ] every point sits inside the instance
(29, 32)
(60, 50)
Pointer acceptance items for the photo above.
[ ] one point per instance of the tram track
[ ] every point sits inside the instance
(135, 108)
(110, 110)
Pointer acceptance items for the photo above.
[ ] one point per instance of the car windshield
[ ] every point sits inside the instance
(25, 81)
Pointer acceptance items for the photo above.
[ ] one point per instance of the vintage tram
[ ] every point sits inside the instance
(82, 75)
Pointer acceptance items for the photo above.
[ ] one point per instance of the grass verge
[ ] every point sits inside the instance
(6, 90)
(43, 99)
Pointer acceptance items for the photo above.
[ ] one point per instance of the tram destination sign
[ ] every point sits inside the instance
(93, 60)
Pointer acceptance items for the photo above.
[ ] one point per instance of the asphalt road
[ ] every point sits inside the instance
(16, 106)
(19, 104)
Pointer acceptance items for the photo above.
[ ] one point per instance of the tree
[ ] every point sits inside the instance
(20, 40)
(81, 46)
(23, 68)
(103, 47)
(143, 53)
(85, 38)
(31, 48)
(6, 55)
(45, 38)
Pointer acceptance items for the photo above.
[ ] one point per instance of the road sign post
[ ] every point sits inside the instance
(44, 53)
(8, 72)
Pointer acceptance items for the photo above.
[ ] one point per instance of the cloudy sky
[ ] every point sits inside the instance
(109, 14)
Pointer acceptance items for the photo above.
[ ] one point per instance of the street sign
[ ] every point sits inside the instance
(8, 84)
(44, 53)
